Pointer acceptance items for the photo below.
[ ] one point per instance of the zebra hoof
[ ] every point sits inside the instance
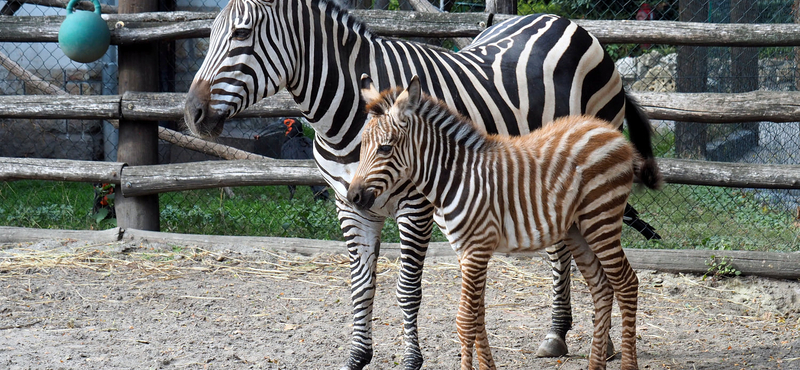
(358, 360)
(553, 346)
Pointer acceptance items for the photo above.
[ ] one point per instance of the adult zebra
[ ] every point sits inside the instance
(515, 76)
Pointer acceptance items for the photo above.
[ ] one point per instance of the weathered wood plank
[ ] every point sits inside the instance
(693, 261)
(59, 170)
(22, 235)
(165, 26)
(767, 264)
(61, 106)
(81, 5)
(169, 106)
(774, 106)
(734, 175)
(144, 180)
(407, 23)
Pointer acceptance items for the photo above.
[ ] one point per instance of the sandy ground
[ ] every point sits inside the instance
(139, 305)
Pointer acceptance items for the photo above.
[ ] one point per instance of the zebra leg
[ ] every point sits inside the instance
(484, 352)
(469, 320)
(362, 236)
(415, 234)
(554, 344)
(602, 295)
(626, 289)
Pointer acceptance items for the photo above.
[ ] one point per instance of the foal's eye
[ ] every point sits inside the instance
(241, 34)
(385, 149)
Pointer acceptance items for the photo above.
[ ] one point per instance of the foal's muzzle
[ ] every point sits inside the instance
(361, 196)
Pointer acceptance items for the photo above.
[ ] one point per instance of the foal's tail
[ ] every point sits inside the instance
(640, 131)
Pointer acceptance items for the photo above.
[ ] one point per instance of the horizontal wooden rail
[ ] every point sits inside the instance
(779, 265)
(733, 175)
(150, 27)
(145, 180)
(59, 170)
(774, 106)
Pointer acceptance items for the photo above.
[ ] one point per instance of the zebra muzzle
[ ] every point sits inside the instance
(362, 197)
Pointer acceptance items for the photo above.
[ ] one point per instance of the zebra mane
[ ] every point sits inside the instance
(381, 105)
(334, 7)
(436, 113)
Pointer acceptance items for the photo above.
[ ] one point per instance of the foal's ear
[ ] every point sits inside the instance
(408, 100)
(368, 90)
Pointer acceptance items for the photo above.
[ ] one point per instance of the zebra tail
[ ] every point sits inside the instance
(640, 132)
(639, 127)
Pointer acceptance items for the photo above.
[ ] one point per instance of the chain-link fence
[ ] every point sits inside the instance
(685, 216)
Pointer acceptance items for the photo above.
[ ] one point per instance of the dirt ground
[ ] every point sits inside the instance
(139, 305)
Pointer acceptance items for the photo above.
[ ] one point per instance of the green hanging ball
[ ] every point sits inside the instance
(84, 36)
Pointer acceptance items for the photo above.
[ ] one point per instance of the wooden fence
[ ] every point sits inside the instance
(129, 29)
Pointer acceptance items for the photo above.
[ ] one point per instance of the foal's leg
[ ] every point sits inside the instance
(482, 348)
(602, 295)
(471, 309)
(605, 241)
(415, 221)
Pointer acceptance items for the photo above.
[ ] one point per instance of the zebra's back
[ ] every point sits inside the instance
(537, 185)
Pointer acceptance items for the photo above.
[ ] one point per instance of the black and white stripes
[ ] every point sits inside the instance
(567, 181)
(518, 75)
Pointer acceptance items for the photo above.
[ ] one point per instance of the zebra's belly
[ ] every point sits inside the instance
(525, 244)
(515, 238)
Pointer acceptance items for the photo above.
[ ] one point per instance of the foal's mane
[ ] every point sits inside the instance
(433, 111)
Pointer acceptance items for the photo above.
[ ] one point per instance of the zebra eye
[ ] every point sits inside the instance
(241, 34)
(385, 149)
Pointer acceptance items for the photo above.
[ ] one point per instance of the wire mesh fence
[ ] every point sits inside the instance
(685, 216)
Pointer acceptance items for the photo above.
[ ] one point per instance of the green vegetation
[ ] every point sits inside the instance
(686, 216)
(720, 268)
(703, 217)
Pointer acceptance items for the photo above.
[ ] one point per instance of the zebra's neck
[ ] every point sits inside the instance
(447, 151)
(332, 51)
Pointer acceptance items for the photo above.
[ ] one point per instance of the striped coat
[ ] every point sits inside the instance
(567, 181)
(518, 75)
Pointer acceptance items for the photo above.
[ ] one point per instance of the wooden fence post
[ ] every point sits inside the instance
(138, 140)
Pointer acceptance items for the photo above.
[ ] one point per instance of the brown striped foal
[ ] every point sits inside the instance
(567, 181)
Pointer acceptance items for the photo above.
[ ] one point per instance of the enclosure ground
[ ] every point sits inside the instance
(141, 305)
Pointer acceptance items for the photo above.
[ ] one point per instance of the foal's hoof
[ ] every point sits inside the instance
(553, 346)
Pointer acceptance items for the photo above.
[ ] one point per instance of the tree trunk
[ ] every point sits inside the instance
(690, 137)
(501, 6)
(744, 61)
(796, 17)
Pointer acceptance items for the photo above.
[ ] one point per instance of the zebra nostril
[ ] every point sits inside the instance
(198, 116)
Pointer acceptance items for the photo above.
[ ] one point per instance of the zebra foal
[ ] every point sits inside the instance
(569, 180)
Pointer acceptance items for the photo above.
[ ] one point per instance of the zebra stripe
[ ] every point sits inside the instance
(518, 75)
(572, 178)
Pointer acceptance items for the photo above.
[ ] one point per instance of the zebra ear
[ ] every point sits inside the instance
(413, 90)
(407, 100)
(368, 90)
